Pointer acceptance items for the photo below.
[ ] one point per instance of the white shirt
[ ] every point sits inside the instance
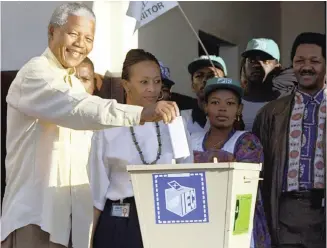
(46, 159)
(193, 127)
(113, 149)
(250, 110)
(229, 146)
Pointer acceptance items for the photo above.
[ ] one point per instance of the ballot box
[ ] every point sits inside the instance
(209, 205)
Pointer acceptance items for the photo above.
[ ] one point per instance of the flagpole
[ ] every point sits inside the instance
(196, 34)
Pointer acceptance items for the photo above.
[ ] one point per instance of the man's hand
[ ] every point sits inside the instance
(268, 67)
(162, 110)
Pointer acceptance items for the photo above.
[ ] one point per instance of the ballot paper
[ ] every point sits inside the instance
(178, 138)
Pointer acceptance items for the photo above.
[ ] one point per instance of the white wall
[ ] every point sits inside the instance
(232, 59)
(28, 38)
(114, 37)
(24, 31)
(172, 41)
(298, 17)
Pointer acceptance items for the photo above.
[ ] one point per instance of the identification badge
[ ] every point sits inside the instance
(120, 210)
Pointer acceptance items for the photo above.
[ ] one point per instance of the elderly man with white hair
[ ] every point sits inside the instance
(47, 202)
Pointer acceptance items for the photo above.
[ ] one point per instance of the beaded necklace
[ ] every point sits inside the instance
(139, 149)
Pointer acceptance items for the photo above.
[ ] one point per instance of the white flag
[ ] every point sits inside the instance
(146, 11)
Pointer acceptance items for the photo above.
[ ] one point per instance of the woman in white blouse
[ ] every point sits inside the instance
(113, 149)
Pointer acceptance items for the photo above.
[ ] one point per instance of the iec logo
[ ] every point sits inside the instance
(180, 198)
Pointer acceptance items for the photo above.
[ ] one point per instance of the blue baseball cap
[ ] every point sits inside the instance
(204, 61)
(267, 46)
(216, 83)
(165, 75)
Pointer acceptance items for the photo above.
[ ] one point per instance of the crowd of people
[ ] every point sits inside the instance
(67, 149)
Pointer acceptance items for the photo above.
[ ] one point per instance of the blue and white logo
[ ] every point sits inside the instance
(180, 198)
(225, 80)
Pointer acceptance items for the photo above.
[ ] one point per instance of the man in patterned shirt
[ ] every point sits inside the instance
(292, 131)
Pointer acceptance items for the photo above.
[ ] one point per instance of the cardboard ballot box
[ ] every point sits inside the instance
(208, 205)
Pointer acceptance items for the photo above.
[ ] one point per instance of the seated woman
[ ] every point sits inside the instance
(223, 106)
(113, 149)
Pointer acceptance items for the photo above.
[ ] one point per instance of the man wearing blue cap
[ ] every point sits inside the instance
(292, 131)
(167, 83)
(262, 77)
(201, 70)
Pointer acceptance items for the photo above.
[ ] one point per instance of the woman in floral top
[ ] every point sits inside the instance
(223, 106)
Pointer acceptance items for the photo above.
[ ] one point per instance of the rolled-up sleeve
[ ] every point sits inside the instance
(39, 92)
(98, 170)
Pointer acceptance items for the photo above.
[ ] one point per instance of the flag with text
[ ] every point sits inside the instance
(146, 11)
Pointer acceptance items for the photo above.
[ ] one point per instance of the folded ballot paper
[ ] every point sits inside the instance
(178, 138)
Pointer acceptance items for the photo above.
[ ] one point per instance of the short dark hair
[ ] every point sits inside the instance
(135, 56)
(309, 38)
(89, 62)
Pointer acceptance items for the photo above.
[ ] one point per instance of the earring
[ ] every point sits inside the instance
(238, 117)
